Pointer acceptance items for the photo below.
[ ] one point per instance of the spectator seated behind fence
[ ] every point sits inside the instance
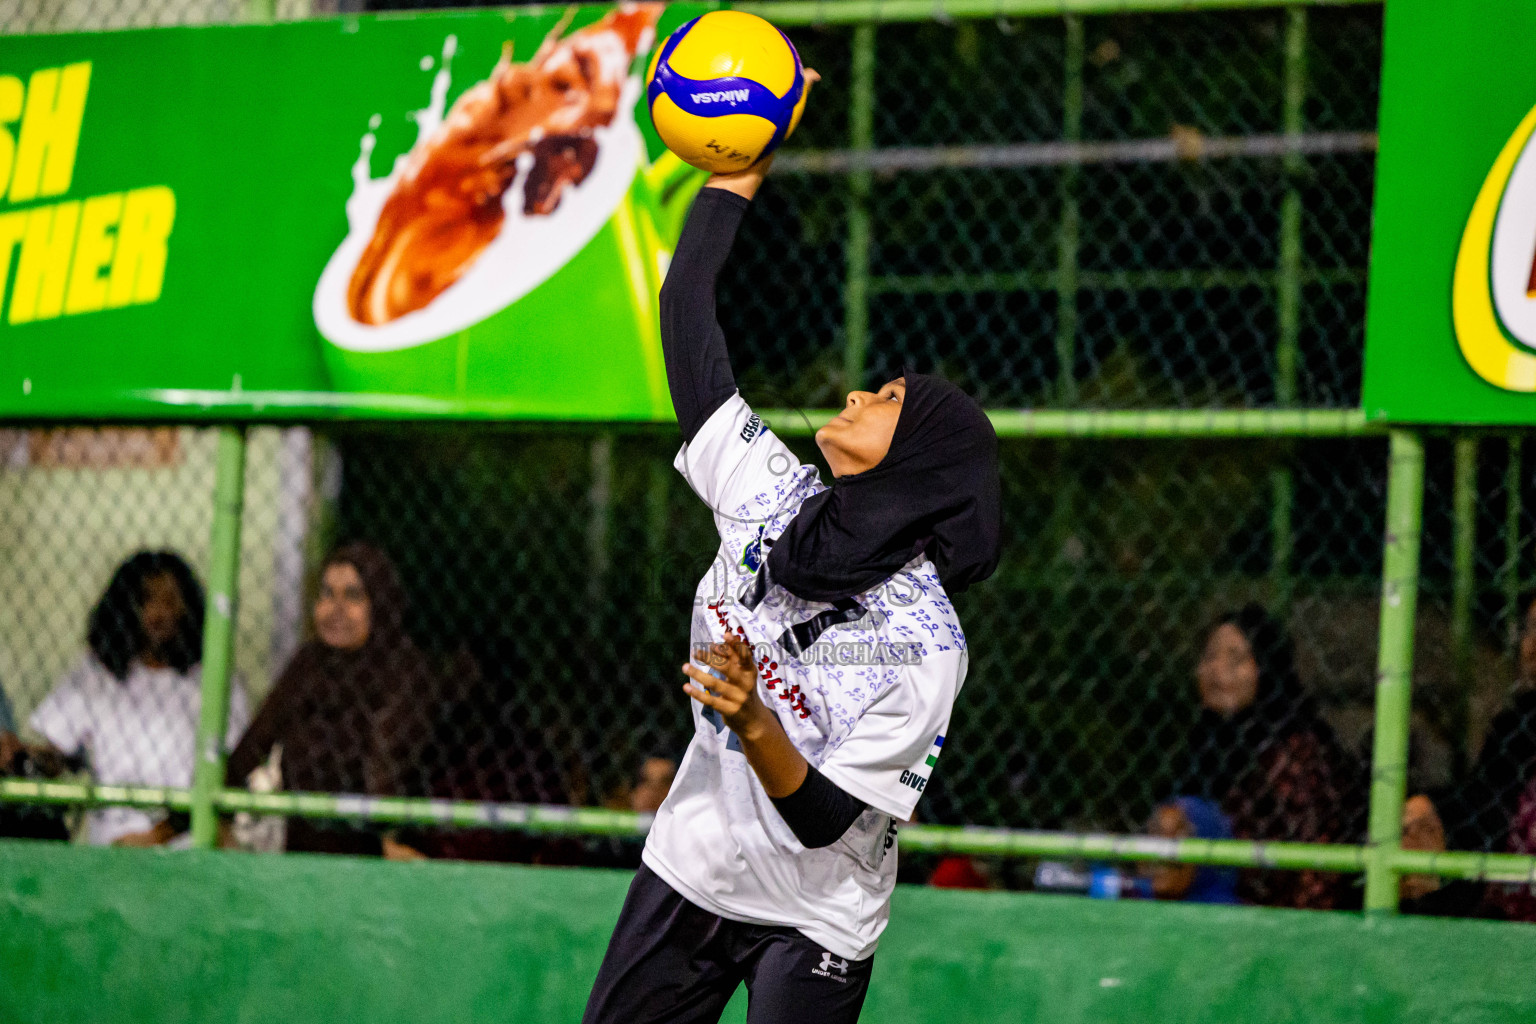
(19, 820)
(653, 781)
(1189, 817)
(1495, 808)
(352, 710)
(1483, 813)
(485, 748)
(130, 706)
(1429, 895)
(1517, 901)
(1260, 749)
(643, 793)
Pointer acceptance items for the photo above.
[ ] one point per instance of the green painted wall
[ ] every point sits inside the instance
(129, 936)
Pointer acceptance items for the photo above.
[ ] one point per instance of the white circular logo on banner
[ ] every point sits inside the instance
(1514, 251)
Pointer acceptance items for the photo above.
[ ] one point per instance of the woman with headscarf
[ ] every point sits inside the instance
(826, 658)
(1261, 750)
(351, 712)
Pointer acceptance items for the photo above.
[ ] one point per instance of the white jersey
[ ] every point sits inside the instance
(864, 692)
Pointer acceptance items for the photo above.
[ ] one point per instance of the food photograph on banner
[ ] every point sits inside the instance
(463, 215)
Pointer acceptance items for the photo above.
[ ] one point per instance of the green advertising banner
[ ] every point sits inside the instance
(1451, 327)
(457, 215)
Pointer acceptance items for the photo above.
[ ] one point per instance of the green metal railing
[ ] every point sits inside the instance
(1149, 423)
(1381, 859)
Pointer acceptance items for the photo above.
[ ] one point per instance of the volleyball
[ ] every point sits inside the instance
(724, 90)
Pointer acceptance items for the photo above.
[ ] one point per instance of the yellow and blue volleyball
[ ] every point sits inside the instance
(724, 90)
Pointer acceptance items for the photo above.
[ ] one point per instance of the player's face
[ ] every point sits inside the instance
(343, 613)
(1228, 674)
(859, 436)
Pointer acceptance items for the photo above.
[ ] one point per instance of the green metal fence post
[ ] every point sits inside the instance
(1288, 303)
(861, 139)
(218, 634)
(1288, 284)
(1463, 582)
(1394, 668)
(1071, 227)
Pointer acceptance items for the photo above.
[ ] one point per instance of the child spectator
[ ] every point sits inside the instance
(1427, 894)
(1189, 817)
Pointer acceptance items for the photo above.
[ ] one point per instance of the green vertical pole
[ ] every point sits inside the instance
(1288, 305)
(861, 132)
(1394, 667)
(1463, 583)
(1288, 284)
(1512, 610)
(1065, 518)
(261, 10)
(218, 634)
(1070, 240)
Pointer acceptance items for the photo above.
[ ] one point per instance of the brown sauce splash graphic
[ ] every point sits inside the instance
(447, 206)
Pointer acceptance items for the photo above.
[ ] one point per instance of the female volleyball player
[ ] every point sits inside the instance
(826, 658)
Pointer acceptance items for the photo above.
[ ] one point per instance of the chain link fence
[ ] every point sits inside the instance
(1126, 212)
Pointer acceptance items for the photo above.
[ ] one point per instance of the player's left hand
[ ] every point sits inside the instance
(735, 696)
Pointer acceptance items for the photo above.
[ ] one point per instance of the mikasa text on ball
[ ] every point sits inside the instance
(724, 90)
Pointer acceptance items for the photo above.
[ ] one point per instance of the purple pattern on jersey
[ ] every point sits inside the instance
(910, 609)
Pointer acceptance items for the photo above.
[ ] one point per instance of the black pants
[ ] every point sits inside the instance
(670, 962)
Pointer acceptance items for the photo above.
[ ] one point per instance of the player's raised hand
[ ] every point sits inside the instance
(746, 183)
(734, 696)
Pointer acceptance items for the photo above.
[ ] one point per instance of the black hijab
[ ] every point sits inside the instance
(936, 491)
(347, 718)
(1225, 749)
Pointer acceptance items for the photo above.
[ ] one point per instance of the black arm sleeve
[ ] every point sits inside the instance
(698, 365)
(818, 813)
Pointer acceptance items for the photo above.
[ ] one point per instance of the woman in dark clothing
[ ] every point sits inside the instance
(1495, 808)
(353, 708)
(484, 748)
(1482, 812)
(1263, 753)
(1491, 798)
